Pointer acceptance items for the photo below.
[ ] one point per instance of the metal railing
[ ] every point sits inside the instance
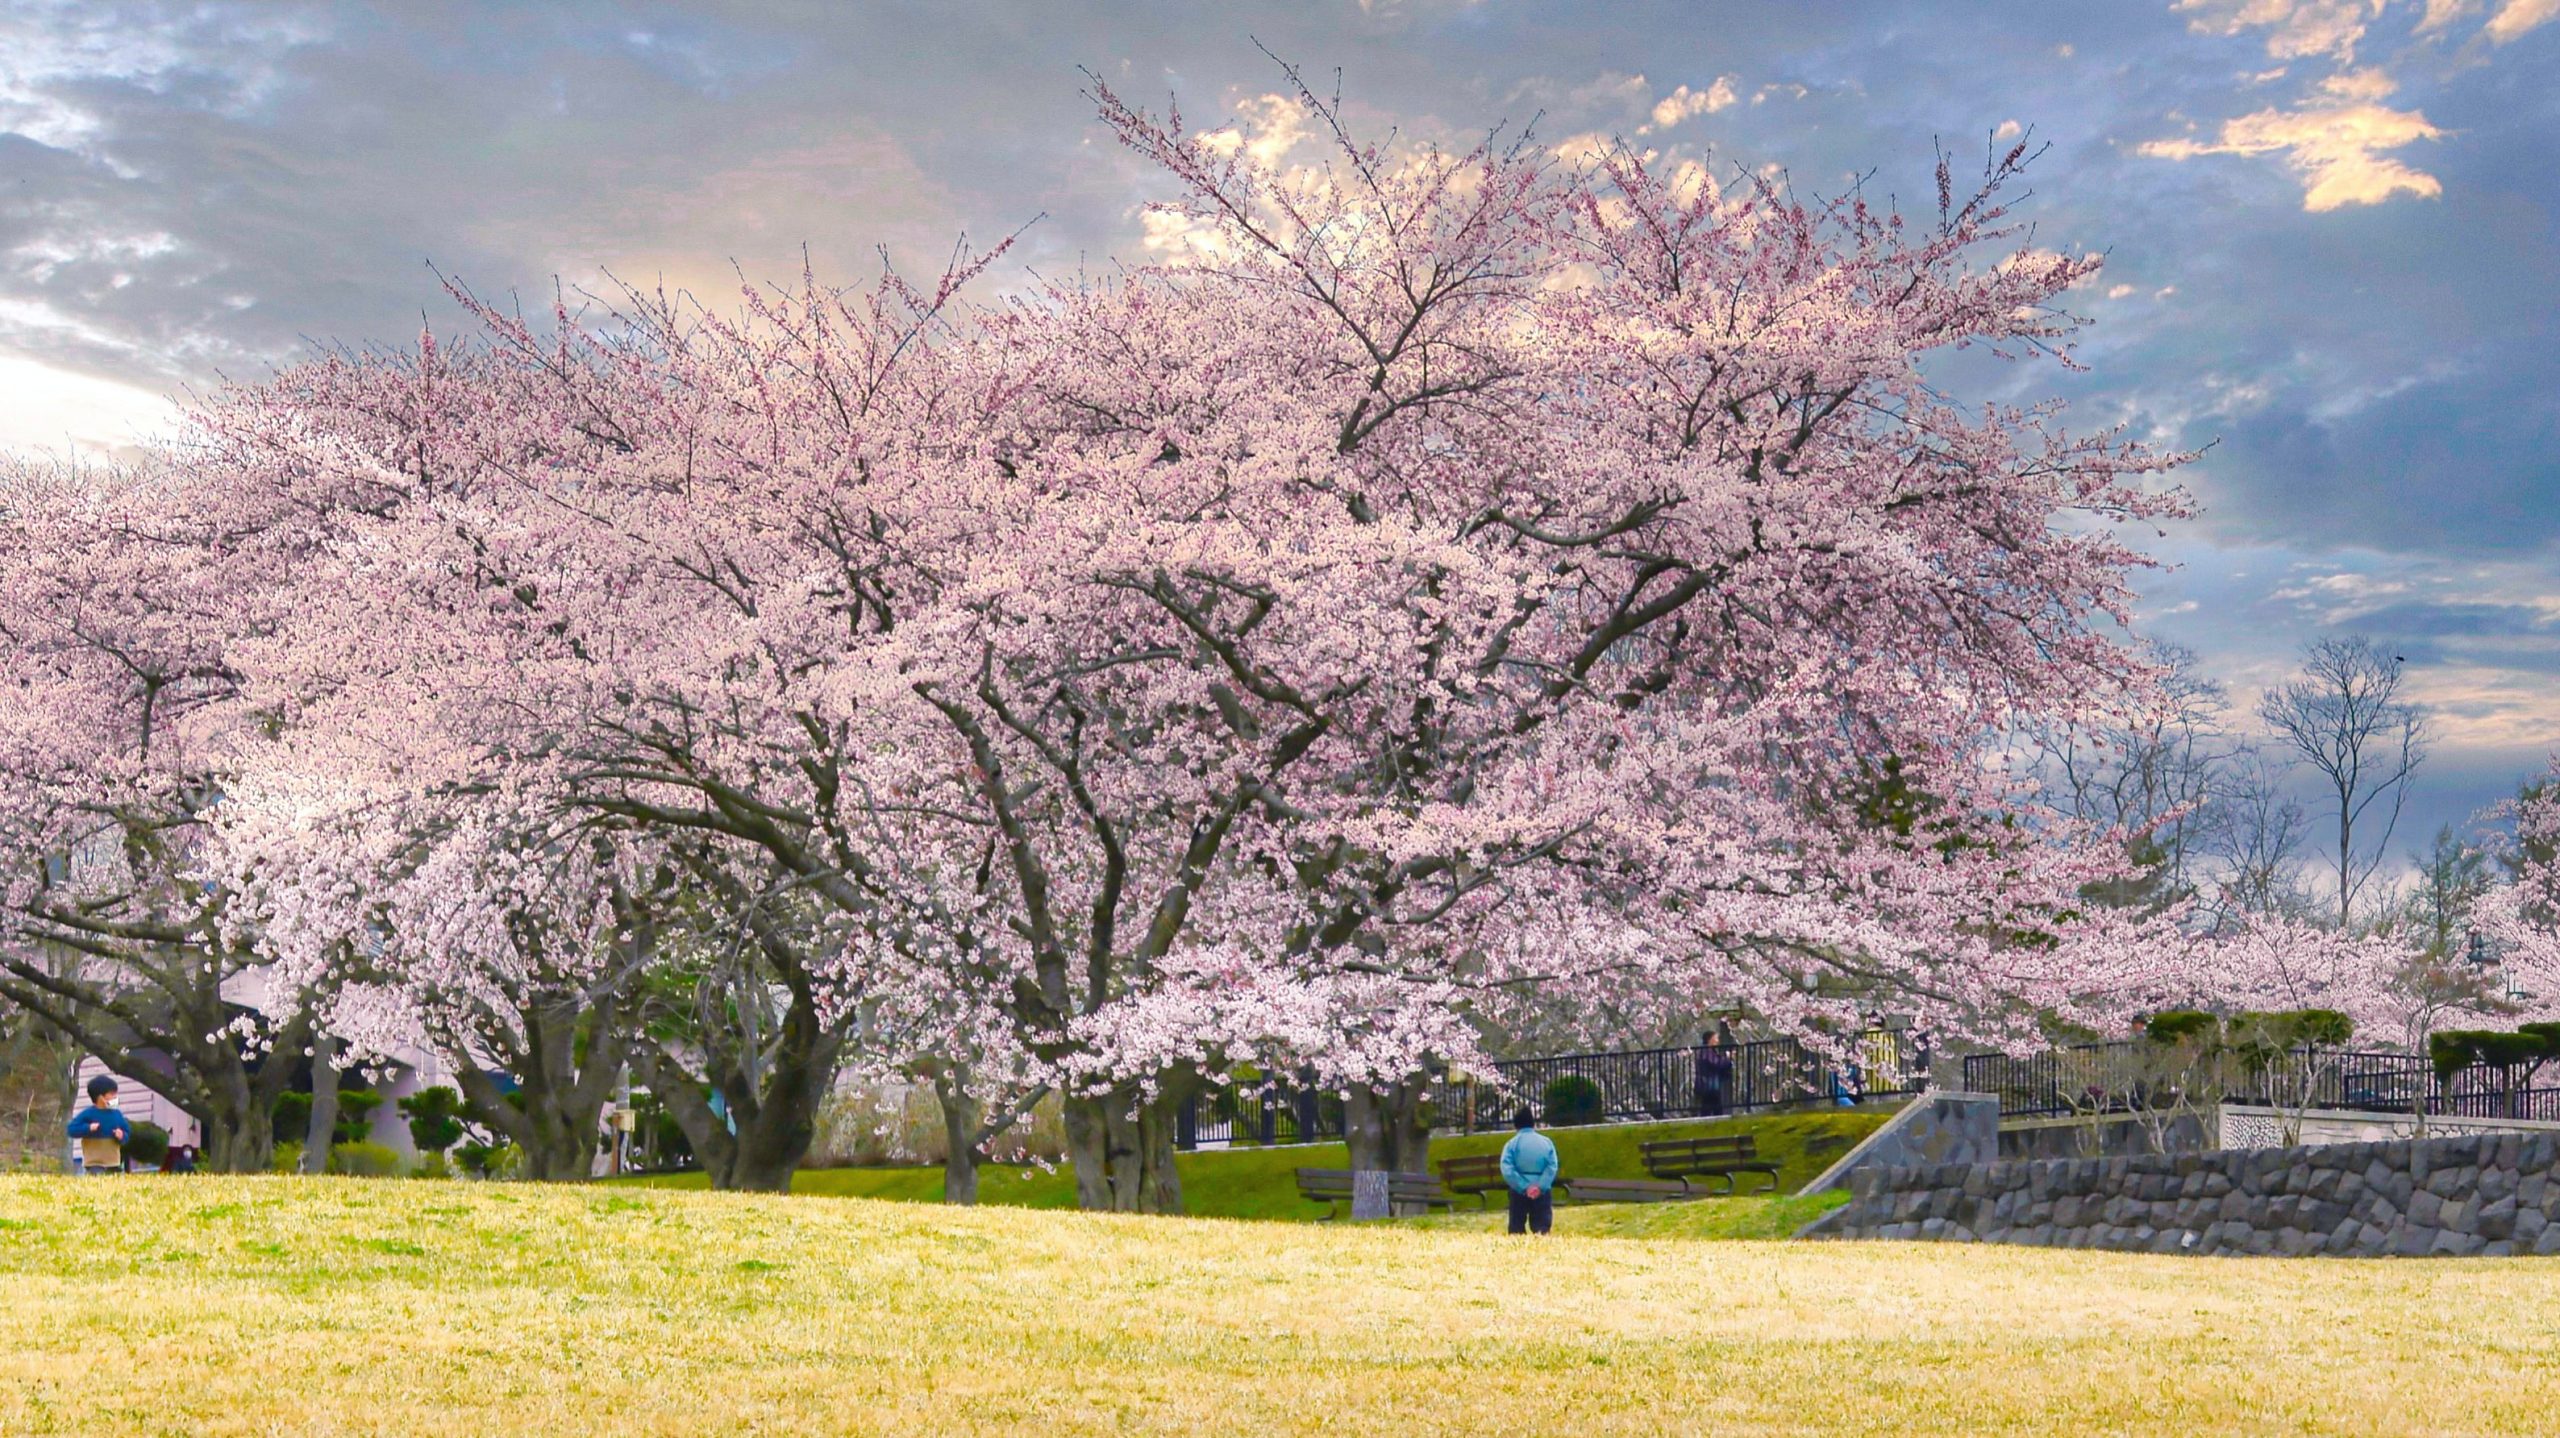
(1631, 1086)
(2126, 1075)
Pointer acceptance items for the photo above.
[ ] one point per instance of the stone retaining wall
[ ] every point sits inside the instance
(1937, 1127)
(2489, 1195)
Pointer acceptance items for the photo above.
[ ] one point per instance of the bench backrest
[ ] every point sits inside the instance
(1461, 1172)
(1681, 1152)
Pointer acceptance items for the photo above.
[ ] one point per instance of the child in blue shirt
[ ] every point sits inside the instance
(100, 1122)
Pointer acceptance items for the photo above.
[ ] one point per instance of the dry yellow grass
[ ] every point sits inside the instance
(301, 1306)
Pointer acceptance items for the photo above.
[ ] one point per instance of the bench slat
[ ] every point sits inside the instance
(1333, 1186)
(1622, 1190)
(1723, 1156)
(1479, 1176)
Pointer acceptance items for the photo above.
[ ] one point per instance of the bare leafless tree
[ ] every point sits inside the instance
(2254, 832)
(2344, 720)
(2156, 778)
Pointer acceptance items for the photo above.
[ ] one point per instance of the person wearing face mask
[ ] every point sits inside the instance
(102, 1132)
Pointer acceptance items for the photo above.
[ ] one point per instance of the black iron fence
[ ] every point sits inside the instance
(1626, 1087)
(2128, 1075)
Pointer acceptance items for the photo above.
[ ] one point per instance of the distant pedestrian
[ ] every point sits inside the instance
(101, 1130)
(1530, 1166)
(1714, 1076)
(182, 1159)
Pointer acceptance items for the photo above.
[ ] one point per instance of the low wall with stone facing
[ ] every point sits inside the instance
(1937, 1127)
(2488, 1195)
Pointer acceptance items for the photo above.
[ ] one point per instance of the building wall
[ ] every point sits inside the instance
(2246, 1126)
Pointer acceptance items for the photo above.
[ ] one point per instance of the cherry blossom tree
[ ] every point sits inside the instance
(2519, 920)
(481, 926)
(1683, 543)
(1468, 572)
(120, 594)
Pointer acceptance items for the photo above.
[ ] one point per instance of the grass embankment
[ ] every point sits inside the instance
(1257, 1183)
(294, 1306)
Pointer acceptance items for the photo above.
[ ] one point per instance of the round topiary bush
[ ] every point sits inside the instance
(149, 1145)
(1572, 1099)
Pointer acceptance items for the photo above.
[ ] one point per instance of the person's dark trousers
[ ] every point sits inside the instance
(1533, 1215)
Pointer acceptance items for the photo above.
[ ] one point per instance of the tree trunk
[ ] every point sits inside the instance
(774, 1126)
(237, 1145)
(568, 1054)
(1089, 1151)
(1389, 1129)
(1122, 1150)
(322, 1131)
(961, 1116)
(239, 1123)
(780, 1122)
(555, 1131)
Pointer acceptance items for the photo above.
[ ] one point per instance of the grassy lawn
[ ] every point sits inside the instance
(1256, 1182)
(1747, 1217)
(340, 1306)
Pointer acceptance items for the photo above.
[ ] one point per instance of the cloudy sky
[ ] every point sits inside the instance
(2333, 226)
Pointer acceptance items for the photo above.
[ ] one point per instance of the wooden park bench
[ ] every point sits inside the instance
(1622, 1190)
(1479, 1176)
(1332, 1187)
(1725, 1158)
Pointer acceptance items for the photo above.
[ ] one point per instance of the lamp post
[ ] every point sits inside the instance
(2483, 957)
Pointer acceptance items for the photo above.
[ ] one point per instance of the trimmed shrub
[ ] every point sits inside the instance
(2454, 1050)
(2174, 1026)
(355, 1114)
(292, 1114)
(1571, 1099)
(149, 1145)
(364, 1160)
(485, 1160)
(432, 1165)
(287, 1157)
(435, 1118)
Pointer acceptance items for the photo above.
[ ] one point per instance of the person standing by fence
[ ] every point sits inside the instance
(1529, 1167)
(1714, 1076)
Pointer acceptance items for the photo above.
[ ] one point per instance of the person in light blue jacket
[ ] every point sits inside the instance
(1530, 1166)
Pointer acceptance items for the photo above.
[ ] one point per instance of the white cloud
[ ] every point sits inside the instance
(1685, 103)
(1577, 149)
(2517, 16)
(51, 410)
(2117, 292)
(2441, 13)
(1272, 126)
(51, 52)
(2009, 130)
(2296, 28)
(2335, 142)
